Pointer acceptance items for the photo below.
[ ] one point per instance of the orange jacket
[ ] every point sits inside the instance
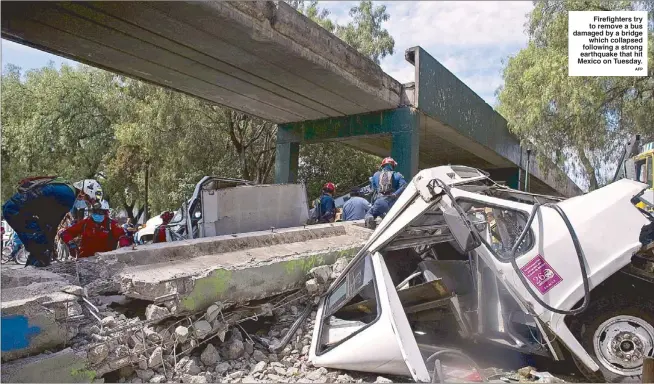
(95, 237)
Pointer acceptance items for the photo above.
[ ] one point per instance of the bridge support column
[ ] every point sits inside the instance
(508, 176)
(287, 156)
(405, 143)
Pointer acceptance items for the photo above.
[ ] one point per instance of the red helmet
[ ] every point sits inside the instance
(388, 160)
(167, 216)
(329, 187)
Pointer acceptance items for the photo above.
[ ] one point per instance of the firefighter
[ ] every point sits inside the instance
(387, 185)
(97, 232)
(160, 231)
(327, 204)
(37, 209)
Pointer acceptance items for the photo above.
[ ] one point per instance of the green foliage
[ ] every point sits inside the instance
(365, 32)
(578, 123)
(55, 122)
(311, 10)
(80, 122)
(337, 163)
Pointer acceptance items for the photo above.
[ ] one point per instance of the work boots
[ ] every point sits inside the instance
(371, 222)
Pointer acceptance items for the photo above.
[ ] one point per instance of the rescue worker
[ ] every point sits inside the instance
(97, 232)
(160, 231)
(356, 207)
(37, 209)
(325, 211)
(130, 229)
(387, 185)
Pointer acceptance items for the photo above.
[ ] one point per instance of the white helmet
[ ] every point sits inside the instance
(90, 187)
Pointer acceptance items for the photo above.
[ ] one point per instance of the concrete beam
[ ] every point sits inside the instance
(400, 125)
(233, 269)
(262, 58)
(380, 123)
(469, 122)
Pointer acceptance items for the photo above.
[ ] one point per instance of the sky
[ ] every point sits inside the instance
(470, 38)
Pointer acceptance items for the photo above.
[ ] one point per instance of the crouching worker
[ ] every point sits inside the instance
(36, 211)
(325, 210)
(97, 232)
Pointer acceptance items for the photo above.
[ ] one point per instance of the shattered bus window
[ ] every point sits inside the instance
(499, 226)
(351, 306)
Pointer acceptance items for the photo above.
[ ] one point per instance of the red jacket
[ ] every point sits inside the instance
(95, 237)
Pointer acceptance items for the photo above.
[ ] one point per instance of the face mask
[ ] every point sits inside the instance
(80, 204)
(97, 217)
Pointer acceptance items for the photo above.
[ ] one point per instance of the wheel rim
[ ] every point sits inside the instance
(622, 342)
(21, 257)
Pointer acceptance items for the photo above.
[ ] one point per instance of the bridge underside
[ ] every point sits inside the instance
(267, 60)
(262, 58)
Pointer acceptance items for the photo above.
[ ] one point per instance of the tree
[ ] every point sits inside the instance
(55, 122)
(344, 166)
(254, 142)
(365, 32)
(311, 10)
(578, 123)
(171, 135)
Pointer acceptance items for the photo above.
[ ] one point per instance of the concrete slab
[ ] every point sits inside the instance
(37, 317)
(66, 366)
(19, 277)
(232, 269)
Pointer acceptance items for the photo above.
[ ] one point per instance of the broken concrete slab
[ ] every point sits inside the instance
(37, 317)
(66, 366)
(234, 270)
(117, 260)
(12, 278)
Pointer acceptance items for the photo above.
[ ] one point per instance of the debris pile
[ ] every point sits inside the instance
(262, 341)
(155, 307)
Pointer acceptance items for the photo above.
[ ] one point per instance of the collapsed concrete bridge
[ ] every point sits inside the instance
(267, 60)
(70, 308)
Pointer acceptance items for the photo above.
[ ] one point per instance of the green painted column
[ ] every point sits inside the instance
(401, 124)
(287, 156)
(508, 176)
(513, 181)
(405, 144)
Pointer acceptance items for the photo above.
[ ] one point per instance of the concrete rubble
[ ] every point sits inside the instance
(163, 312)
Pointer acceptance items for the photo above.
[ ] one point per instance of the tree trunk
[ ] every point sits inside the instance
(139, 213)
(590, 171)
(130, 211)
(147, 176)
